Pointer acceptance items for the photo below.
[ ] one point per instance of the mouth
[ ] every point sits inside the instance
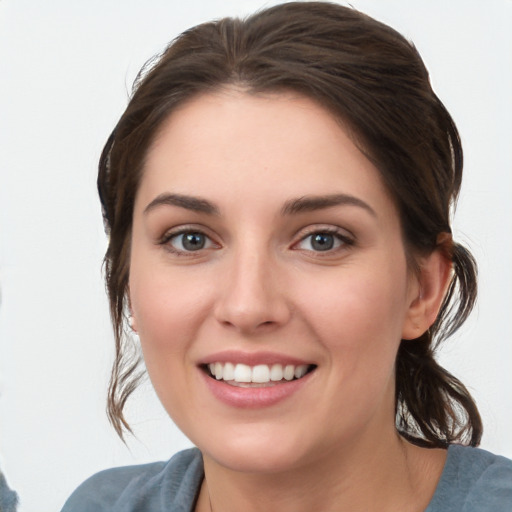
(260, 375)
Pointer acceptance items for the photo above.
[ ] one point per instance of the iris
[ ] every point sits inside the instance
(322, 241)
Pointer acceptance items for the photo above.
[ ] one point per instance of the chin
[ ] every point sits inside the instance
(254, 459)
(259, 450)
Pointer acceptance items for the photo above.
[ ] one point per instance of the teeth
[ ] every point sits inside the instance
(276, 372)
(229, 372)
(300, 371)
(289, 372)
(243, 373)
(218, 371)
(260, 373)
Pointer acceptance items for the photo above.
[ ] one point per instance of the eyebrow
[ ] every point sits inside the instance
(293, 206)
(188, 202)
(312, 203)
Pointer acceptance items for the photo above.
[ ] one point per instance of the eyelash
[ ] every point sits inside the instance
(169, 236)
(344, 241)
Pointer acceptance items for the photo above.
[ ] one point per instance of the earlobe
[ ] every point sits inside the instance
(131, 322)
(434, 276)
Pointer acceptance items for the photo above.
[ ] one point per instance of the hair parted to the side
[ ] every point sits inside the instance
(373, 80)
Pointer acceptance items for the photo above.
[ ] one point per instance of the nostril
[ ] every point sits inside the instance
(248, 323)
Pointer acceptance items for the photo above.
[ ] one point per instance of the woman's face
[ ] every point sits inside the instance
(264, 246)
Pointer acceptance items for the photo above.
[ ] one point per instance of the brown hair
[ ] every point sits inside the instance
(370, 77)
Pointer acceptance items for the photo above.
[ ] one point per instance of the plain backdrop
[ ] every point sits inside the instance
(66, 70)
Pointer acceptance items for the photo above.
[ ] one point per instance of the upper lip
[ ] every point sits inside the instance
(252, 358)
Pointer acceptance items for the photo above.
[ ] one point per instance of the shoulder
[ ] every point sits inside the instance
(8, 498)
(473, 480)
(143, 488)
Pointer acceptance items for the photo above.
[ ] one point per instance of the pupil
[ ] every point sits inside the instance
(193, 241)
(322, 242)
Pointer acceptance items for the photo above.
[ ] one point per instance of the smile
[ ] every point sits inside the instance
(243, 374)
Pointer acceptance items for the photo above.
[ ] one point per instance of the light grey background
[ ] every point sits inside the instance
(65, 72)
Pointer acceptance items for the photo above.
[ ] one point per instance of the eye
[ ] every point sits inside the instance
(323, 241)
(188, 241)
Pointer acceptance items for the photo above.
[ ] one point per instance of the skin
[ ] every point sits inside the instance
(259, 284)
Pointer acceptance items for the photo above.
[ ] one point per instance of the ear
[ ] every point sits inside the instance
(132, 323)
(433, 278)
(131, 318)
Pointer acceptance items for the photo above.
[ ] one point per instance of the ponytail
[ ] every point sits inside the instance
(433, 408)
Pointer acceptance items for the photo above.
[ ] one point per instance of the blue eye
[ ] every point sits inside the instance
(323, 241)
(189, 241)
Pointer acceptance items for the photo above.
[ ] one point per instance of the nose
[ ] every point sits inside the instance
(251, 296)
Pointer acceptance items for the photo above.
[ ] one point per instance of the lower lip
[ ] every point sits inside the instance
(254, 397)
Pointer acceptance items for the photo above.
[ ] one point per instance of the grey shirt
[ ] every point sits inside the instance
(8, 498)
(473, 480)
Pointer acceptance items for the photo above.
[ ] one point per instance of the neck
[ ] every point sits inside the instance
(390, 474)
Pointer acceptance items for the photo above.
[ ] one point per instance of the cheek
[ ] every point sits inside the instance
(358, 319)
(358, 311)
(164, 300)
(165, 311)
(169, 312)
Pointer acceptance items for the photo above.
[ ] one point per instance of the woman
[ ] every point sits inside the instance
(277, 196)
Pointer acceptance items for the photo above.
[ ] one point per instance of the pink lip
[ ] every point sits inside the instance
(253, 397)
(252, 358)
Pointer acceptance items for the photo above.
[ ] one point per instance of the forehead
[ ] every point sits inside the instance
(231, 143)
